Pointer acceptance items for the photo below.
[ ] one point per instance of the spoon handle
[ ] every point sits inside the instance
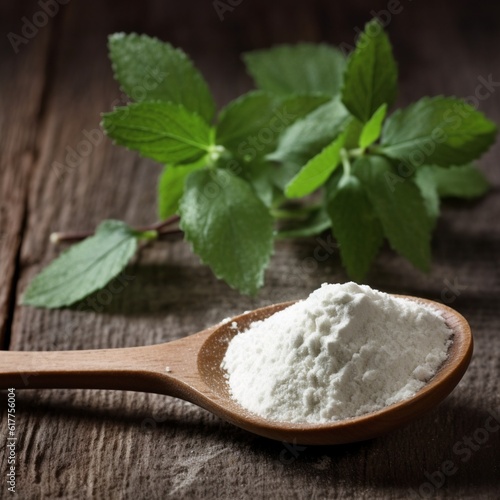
(164, 368)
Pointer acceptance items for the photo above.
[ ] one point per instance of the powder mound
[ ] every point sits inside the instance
(345, 351)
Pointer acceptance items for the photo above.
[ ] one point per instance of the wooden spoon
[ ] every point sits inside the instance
(189, 368)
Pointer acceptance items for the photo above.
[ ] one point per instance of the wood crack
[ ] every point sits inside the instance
(32, 155)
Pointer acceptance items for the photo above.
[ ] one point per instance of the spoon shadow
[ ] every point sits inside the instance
(403, 459)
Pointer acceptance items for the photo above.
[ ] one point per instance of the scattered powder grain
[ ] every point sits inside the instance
(344, 351)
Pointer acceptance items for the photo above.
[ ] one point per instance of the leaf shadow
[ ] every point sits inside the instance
(153, 289)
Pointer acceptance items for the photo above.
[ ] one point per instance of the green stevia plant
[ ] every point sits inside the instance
(312, 149)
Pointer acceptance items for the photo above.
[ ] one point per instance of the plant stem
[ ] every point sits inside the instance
(356, 153)
(346, 164)
(159, 227)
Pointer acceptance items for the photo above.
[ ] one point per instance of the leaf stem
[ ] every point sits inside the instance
(355, 153)
(160, 227)
(214, 152)
(346, 164)
(376, 149)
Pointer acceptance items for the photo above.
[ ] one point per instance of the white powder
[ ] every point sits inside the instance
(344, 351)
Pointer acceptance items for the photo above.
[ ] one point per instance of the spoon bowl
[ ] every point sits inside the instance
(190, 369)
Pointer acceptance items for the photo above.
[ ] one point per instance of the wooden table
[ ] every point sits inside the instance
(97, 444)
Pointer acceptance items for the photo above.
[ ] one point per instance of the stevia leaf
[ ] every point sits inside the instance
(297, 69)
(150, 70)
(355, 226)
(399, 205)
(316, 223)
(424, 179)
(464, 181)
(259, 174)
(372, 128)
(316, 171)
(438, 130)
(371, 75)
(309, 135)
(284, 173)
(171, 186)
(353, 131)
(294, 107)
(228, 226)
(163, 131)
(250, 125)
(243, 119)
(84, 267)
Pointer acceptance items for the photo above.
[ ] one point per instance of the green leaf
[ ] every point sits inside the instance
(171, 186)
(228, 226)
(250, 125)
(297, 69)
(84, 267)
(372, 128)
(464, 181)
(243, 119)
(355, 226)
(150, 70)
(163, 131)
(294, 107)
(371, 76)
(309, 135)
(353, 133)
(399, 206)
(317, 170)
(441, 130)
(259, 175)
(284, 173)
(317, 222)
(424, 179)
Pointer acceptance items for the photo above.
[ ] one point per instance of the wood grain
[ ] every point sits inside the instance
(103, 444)
(21, 102)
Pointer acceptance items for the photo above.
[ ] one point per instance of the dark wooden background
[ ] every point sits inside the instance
(98, 444)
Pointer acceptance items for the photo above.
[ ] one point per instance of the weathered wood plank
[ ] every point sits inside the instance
(21, 101)
(91, 444)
